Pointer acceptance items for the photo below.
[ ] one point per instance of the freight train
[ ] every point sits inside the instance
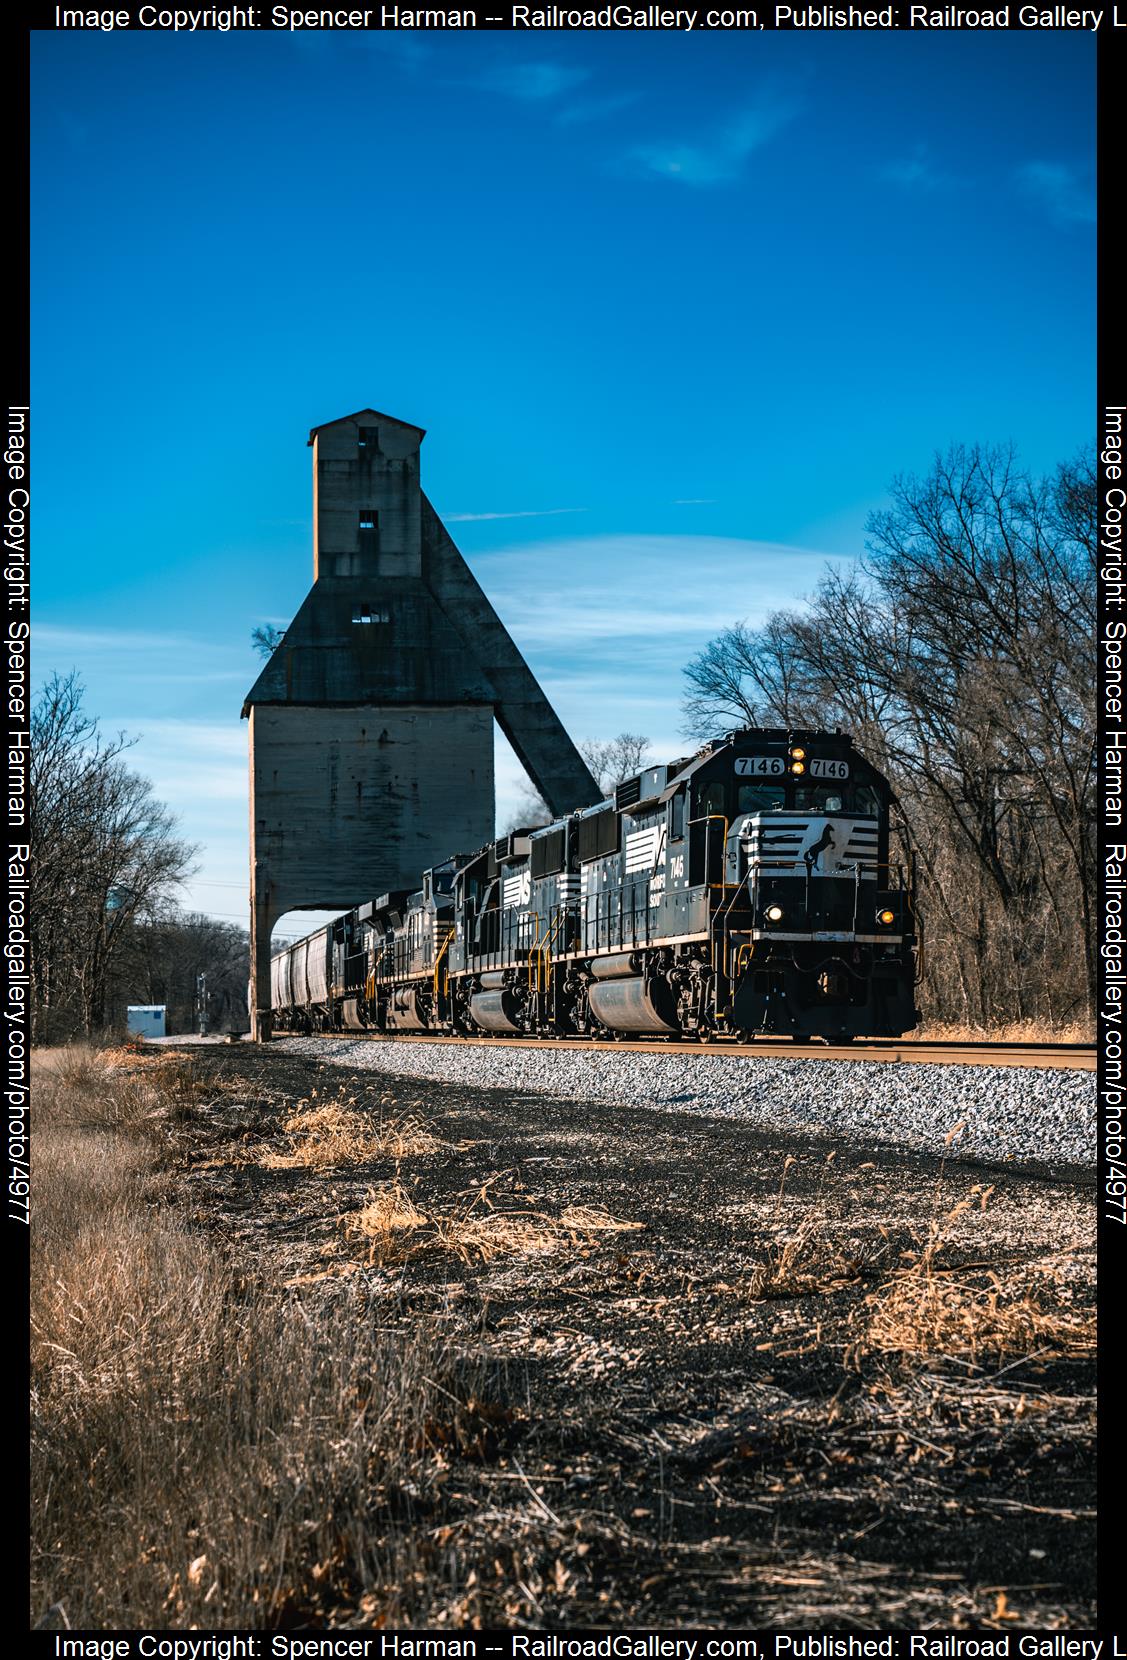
(745, 890)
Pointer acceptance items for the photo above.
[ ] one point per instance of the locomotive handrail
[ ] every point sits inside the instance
(722, 919)
(779, 861)
(438, 958)
(533, 951)
(545, 949)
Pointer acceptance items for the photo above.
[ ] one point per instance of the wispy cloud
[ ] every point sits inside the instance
(720, 156)
(1062, 191)
(694, 501)
(108, 639)
(531, 82)
(632, 589)
(919, 171)
(596, 109)
(185, 740)
(531, 513)
(608, 623)
(135, 655)
(412, 50)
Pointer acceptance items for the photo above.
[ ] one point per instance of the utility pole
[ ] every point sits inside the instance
(201, 1002)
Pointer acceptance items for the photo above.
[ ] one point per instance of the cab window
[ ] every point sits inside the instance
(866, 801)
(819, 798)
(710, 799)
(760, 798)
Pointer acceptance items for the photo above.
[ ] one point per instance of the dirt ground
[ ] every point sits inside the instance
(722, 1378)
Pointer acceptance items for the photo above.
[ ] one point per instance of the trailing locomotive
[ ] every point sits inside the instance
(745, 890)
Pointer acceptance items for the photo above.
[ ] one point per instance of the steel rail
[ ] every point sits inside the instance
(936, 1051)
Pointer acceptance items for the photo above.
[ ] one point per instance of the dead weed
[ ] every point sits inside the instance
(1020, 1031)
(804, 1265)
(398, 1230)
(127, 1089)
(336, 1132)
(971, 1314)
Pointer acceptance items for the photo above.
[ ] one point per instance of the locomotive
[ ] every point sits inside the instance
(745, 890)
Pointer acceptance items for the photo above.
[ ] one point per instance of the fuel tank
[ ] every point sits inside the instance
(496, 1010)
(633, 1005)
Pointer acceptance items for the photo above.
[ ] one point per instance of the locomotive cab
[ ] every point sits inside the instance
(831, 943)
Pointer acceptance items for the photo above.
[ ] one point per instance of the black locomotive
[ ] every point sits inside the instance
(745, 890)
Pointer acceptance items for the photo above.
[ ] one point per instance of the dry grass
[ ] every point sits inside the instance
(963, 1319)
(971, 1315)
(806, 1261)
(129, 1089)
(932, 1307)
(335, 1132)
(397, 1229)
(213, 1448)
(1024, 1031)
(805, 1264)
(204, 1453)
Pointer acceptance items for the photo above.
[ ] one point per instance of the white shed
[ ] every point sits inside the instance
(145, 1019)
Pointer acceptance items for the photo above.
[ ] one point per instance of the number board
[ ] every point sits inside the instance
(760, 766)
(829, 769)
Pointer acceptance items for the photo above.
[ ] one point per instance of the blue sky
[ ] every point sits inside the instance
(673, 308)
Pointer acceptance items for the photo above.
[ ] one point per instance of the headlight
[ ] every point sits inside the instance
(774, 913)
(798, 754)
(798, 766)
(887, 917)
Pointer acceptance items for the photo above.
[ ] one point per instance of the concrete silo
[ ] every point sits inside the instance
(371, 726)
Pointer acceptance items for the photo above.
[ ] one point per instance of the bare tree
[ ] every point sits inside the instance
(960, 656)
(266, 639)
(613, 760)
(103, 853)
(164, 957)
(610, 761)
(528, 813)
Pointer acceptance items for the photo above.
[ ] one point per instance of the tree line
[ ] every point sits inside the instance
(960, 654)
(106, 866)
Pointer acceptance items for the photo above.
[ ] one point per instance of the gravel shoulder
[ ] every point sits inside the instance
(734, 1366)
(998, 1113)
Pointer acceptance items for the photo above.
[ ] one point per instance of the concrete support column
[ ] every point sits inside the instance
(263, 916)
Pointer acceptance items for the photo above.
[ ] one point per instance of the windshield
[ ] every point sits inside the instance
(760, 798)
(836, 798)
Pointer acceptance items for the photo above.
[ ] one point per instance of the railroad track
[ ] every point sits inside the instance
(1070, 1056)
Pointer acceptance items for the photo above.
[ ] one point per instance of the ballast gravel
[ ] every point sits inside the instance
(1046, 1115)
